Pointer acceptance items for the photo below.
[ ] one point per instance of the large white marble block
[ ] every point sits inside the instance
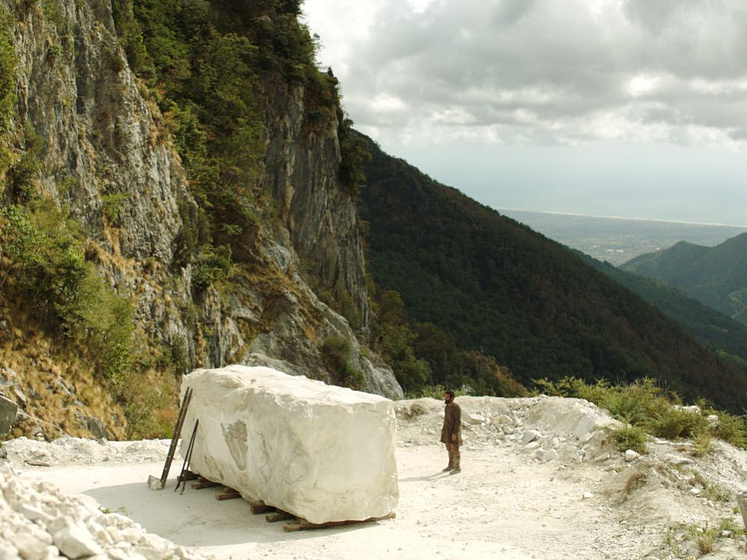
(321, 452)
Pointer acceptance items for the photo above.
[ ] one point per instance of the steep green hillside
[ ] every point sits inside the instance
(707, 325)
(716, 276)
(513, 294)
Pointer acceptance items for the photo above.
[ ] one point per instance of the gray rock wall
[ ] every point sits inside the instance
(8, 412)
(321, 218)
(101, 137)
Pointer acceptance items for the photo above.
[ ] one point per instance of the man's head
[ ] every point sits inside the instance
(449, 397)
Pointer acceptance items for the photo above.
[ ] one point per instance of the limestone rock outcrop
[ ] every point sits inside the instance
(37, 520)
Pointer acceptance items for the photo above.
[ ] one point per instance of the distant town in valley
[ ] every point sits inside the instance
(617, 240)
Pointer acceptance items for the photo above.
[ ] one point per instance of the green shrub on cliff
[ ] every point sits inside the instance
(42, 260)
(204, 75)
(355, 154)
(335, 351)
(208, 65)
(7, 68)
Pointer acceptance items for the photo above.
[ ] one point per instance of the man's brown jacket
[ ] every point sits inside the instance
(452, 424)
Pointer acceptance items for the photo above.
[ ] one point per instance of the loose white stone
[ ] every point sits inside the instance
(601, 457)
(678, 460)
(631, 455)
(186, 554)
(502, 421)
(530, 436)
(118, 554)
(742, 503)
(549, 455)
(149, 553)
(75, 541)
(472, 418)
(130, 535)
(154, 483)
(692, 409)
(154, 541)
(586, 438)
(30, 547)
(114, 534)
(584, 427)
(132, 555)
(320, 452)
(101, 534)
(8, 552)
(34, 512)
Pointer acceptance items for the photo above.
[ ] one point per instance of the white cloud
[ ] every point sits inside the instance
(431, 79)
(569, 65)
(420, 6)
(642, 85)
(387, 104)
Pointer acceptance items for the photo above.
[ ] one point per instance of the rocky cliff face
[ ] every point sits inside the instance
(106, 143)
(321, 219)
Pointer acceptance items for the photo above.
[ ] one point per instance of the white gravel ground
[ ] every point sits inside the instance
(539, 480)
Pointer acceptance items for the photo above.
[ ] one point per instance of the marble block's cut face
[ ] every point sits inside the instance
(321, 452)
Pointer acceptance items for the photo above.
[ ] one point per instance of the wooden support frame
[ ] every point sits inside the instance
(274, 515)
(304, 525)
(279, 516)
(177, 434)
(203, 483)
(261, 507)
(228, 494)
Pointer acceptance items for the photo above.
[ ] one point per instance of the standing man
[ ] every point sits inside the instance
(451, 433)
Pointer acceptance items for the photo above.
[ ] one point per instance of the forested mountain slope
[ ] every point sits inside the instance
(515, 295)
(716, 276)
(707, 325)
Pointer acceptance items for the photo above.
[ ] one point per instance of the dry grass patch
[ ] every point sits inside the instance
(47, 378)
(635, 481)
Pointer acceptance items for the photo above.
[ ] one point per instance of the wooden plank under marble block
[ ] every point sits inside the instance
(321, 452)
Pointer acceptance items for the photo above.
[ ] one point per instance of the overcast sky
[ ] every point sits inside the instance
(634, 108)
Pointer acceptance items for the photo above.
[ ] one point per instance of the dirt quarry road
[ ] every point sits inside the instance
(496, 507)
(529, 488)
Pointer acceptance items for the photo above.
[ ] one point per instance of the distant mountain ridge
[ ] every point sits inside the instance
(513, 294)
(716, 276)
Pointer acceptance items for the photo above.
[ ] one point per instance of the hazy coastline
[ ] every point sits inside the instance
(618, 239)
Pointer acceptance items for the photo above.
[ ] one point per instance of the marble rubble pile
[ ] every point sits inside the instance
(39, 522)
(554, 429)
(563, 429)
(317, 451)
